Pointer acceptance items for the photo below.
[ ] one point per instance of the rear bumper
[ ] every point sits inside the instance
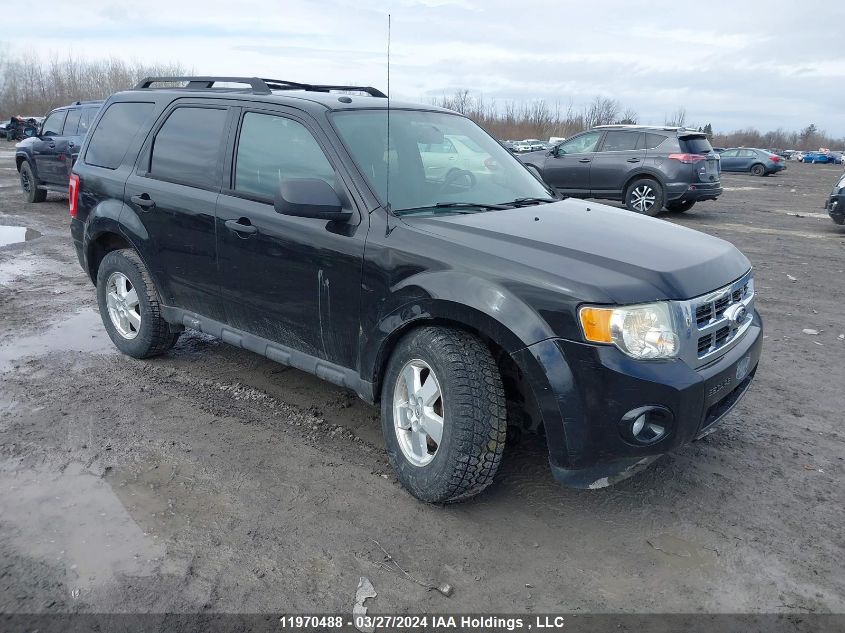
(679, 192)
(584, 392)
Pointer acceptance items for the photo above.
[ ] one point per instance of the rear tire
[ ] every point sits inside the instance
(758, 170)
(680, 206)
(130, 306)
(29, 184)
(645, 196)
(453, 378)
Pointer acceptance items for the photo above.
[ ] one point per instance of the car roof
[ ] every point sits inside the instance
(77, 104)
(661, 128)
(303, 96)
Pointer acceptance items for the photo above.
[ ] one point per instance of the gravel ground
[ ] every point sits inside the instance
(211, 479)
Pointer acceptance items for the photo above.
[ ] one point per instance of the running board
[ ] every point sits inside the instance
(328, 371)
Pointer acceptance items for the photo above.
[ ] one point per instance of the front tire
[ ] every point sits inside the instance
(29, 184)
(645, 196)
(680, 206)
(443, 413)
(130, 306)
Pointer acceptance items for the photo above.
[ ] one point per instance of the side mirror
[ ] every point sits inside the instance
(309, 198)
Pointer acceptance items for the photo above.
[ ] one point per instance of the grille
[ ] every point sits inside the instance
(714, 331)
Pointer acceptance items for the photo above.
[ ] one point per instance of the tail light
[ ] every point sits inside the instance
(73, 194)
(688, 159)
(491, 164)
(774, 159)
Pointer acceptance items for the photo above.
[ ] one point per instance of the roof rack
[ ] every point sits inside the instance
(257, 85)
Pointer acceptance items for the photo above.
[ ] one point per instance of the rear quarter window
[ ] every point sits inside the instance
(115, 131)
(696, 145)
(653, 140)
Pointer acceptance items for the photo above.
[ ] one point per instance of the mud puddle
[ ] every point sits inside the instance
(16, 234)
(82, 332)
(74, 519)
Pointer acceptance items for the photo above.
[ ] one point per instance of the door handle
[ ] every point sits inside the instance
(241, 225)
(51, 145)
(633, 160)
(143, 201)
(584, 160)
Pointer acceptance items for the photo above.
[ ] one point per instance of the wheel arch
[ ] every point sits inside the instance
(503, 321)
(98, 247)
(641, 175)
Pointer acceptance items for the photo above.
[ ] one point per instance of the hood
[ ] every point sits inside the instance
(602, 253)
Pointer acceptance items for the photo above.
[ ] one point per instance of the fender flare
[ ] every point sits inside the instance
(456, 298)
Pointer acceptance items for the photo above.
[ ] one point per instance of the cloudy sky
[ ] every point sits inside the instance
(734, 64)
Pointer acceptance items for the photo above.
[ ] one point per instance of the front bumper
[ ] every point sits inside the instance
(836, 208)
(696, 192)
(583, 391)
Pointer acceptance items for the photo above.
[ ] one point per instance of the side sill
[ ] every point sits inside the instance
(330, 372)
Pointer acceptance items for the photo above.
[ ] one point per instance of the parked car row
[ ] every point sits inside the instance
(528, 145)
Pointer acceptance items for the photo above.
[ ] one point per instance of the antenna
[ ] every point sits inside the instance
(387, 187)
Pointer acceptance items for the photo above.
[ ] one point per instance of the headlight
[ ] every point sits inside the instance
(645, 331)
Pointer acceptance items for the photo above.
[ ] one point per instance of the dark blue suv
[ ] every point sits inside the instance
(44, 161)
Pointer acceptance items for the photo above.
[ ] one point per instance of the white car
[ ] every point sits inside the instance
(454, 153)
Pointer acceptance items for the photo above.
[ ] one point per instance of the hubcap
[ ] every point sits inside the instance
(643, 198)
(418, 412)
(123, 306)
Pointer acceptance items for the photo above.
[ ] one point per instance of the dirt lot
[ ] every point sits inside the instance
(211, 479)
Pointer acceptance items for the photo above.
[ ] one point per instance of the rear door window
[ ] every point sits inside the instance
(273, 148)
(186, 148)
(621, 141)
(72, 122)
(696, 145)
(115, 131)
(54, 123)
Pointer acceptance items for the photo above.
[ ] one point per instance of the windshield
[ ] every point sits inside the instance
(437, 162)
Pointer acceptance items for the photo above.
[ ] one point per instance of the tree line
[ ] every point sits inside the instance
(541, 119)
(30, 86)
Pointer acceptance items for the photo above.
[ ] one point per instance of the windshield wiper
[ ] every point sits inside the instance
(527, 202)
(454, 205)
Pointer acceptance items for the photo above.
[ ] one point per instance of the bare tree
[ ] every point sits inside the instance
(30, 86)
(678, 117)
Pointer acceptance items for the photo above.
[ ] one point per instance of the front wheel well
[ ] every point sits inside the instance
(20, 160)
(102, 246)
(523, 411)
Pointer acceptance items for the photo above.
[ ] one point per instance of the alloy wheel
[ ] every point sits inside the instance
(643, 198)
(123, 305)
(418, 412)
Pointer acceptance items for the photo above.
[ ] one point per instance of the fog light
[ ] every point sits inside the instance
(646, 425)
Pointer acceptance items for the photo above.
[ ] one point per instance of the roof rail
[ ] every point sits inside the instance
(257, 85)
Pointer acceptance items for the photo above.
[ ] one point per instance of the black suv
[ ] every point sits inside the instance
(44, 160)
(311, 227)
(646, 167)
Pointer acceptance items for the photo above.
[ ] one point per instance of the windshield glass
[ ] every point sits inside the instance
(434, 158)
